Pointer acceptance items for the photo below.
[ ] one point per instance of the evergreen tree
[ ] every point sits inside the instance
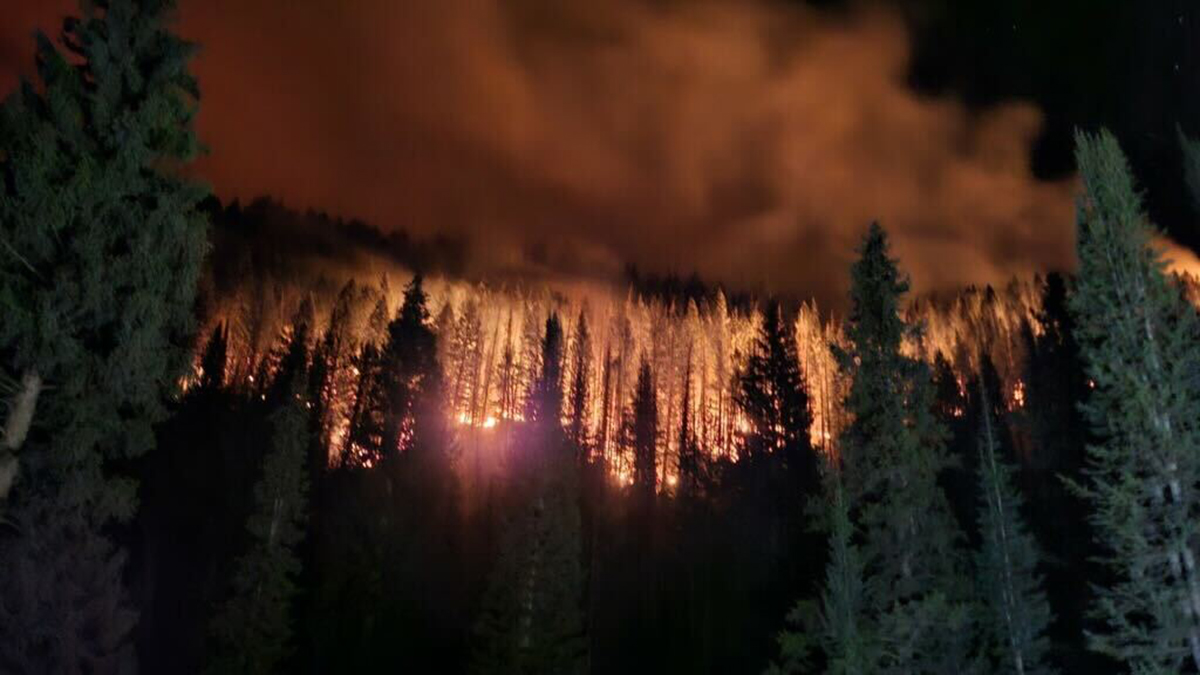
(643, 432)
(772, 395)
(1010, 586)
(252, 629)
(581, 375)
(532, 619)
(1137, 336)
(102, 247)
(294, 366)
(837, 626)
(409, 362)
(333, 376)
(690, 480)
(212, 363)
(892, 453)
(546, 401)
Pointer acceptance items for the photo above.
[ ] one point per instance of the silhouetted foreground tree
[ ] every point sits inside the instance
(102, 246)
(1137, 335)
(531, 620)
(252, 630)
(1009, 585)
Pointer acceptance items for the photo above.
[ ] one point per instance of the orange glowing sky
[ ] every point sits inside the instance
(749, 141)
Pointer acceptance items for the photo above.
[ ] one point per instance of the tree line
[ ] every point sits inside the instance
(329, 510)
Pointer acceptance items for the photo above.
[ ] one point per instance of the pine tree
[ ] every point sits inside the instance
(892, 453)
(1137, 334)
(532, 620)
(837, 627)
(643, 433)
(212, 363)
(102, 247)
(581, 374)
(409, 361)
(252, 629)
(335, 379)
(546, 401)
(771, 393)
(1010, 586)
(690, 481)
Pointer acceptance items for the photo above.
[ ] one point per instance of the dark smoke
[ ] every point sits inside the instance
(750, 142)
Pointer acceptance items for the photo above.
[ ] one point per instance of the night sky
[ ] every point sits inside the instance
(748, 141)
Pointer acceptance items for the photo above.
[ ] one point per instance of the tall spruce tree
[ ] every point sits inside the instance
(409, 363)
(546, 399)
(1010, 586)
(892, 451)
(581, 373)
(101, 248)
(251, 631)
(836, 627)
(772, 394)
(532, 618)
(1137, 336)
(643, 433)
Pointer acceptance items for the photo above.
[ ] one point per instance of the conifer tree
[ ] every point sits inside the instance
(689, 449)
(294, 363)
(101, 249)
(546, 401)
(252, 629)
(643, 432)
(837, 626)
(1137, 336)
(581, 374)
(772, 394)
(212, 363)
(892, 453)
(1010, 586)
(409, 360)
(532, 619)
(334, 378)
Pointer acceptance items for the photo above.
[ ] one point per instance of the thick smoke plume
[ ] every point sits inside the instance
(748, 141)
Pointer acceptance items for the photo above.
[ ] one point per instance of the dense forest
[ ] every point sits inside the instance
(224, 456)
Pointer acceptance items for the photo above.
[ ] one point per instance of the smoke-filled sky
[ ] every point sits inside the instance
(748, 140)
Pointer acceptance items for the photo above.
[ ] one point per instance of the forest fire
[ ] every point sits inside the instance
(490, 341)
(355, 337)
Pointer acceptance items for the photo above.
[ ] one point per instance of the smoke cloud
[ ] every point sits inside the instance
(751, 142)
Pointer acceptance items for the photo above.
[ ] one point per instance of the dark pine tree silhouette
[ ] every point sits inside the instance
(772, 395)
(102, 247)
(1010, 586)
(251, 631)
(1137, 335)
(409, 360)
(532, 618)
(581, 367)
(915, 592)
(643, 431)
